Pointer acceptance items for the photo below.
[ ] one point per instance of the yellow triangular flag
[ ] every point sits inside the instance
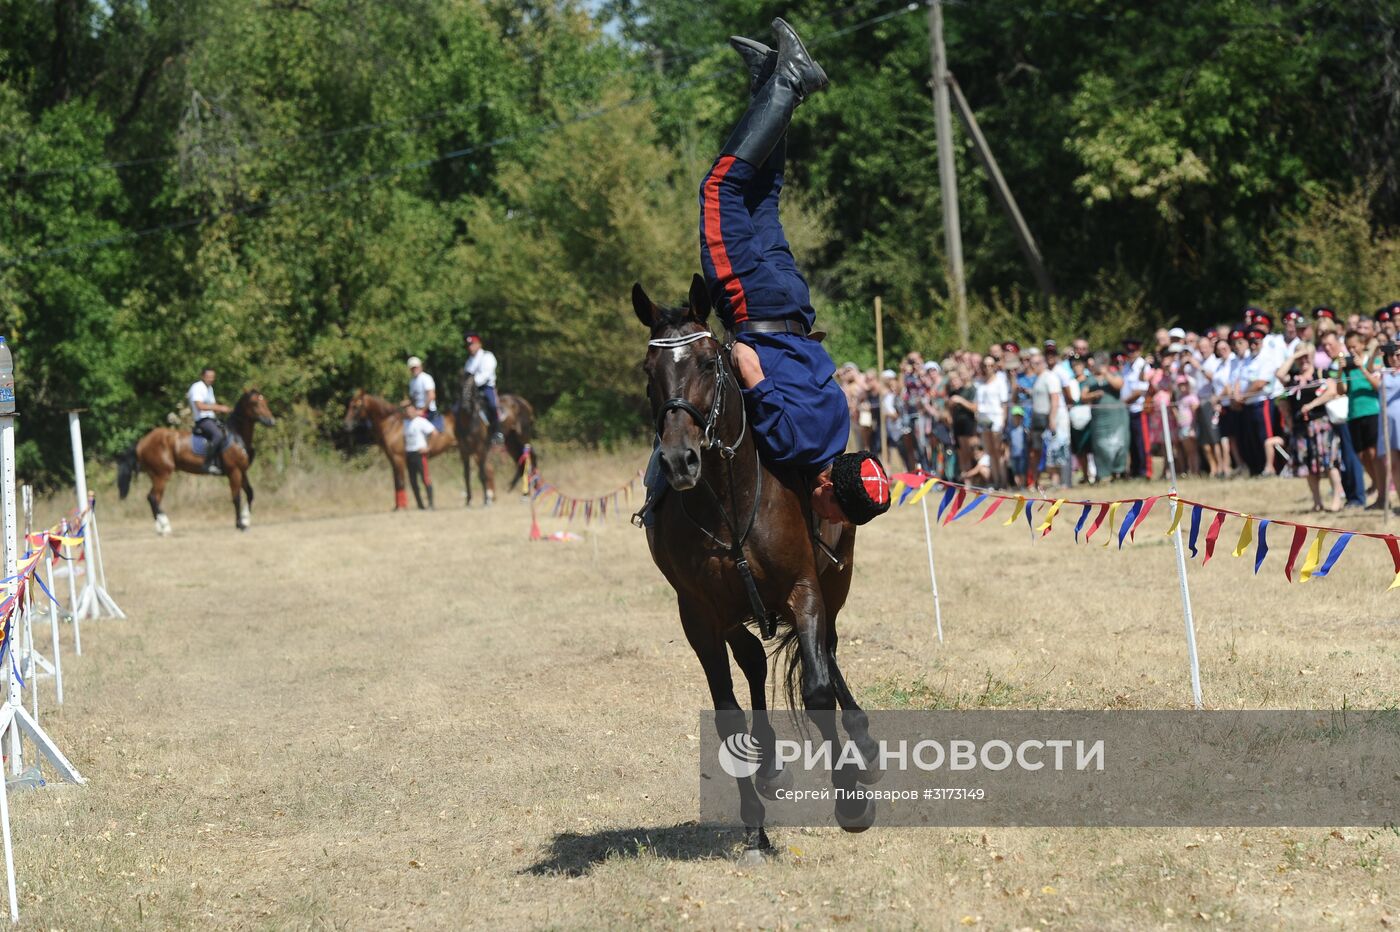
(1176, 517)
(897, 489)
(1112, 512)
(923, 490)
(1314, 558)
(1020, 507)
(1393, 583)
(1246, 537)
(1050, 515)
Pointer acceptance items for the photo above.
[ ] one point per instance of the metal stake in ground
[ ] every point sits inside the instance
(14, 718)
(94, 600)
(1181, 565)
(932, 578)
(34, 664)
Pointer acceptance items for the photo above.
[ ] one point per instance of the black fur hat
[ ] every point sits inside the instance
(861, 485)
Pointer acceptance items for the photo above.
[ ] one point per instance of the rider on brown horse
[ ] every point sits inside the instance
(206, 422)
(798, 412)
(481, 366)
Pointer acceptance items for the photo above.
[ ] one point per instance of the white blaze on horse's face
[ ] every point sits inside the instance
(679, 353)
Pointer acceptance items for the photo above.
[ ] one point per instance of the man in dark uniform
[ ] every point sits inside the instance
(798, 412)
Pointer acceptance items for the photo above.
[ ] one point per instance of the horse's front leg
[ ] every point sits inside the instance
(704, 629)
(241, 516)
(487, 473)
(466, 474)
(819, 699)
(753, 663)
(400, 466)
(156, 494)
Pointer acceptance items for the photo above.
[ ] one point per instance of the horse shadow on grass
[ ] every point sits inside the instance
(574, 855)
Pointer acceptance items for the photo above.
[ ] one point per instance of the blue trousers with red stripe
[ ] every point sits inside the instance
(744, 253)
(798, 412)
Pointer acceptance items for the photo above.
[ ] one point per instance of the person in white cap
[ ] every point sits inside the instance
(422, 392)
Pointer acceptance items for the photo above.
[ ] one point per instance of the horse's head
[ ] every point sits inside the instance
(467, 390)
(356, 411)
(253, 405)
(685, 369)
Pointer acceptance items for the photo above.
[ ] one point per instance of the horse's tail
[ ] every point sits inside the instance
(788, 653)
(127, 466)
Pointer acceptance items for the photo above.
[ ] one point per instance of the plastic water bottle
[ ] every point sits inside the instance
(7, 379)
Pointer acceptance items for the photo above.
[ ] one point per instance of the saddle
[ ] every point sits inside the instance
(199, 445)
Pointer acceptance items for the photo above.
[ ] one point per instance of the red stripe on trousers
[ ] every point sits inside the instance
(1268, 421)
(427, 479)
(733, 288)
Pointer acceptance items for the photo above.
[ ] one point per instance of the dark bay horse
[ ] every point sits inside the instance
(165, 450)
(720, 489)
(517, 421)
(386, 423)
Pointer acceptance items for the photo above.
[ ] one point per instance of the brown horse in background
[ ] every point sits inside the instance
(165, 450)
(386, 422)
(517, 422)
(725, 505)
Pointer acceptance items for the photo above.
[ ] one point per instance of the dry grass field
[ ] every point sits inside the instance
(351, 719)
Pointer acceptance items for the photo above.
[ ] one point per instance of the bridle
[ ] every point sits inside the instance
(709, 424)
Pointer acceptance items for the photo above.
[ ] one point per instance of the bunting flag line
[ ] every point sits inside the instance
(1213, 535)
(564, 504)
(1246, 537)
(1050, 517)
(1129, 522)
(1302, 565)
(1083, 516)
(1314, 557)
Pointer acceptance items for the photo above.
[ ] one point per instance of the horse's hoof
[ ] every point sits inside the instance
(854, 817)
(769, 786)
(756, 857)
(163, 526)
(869, 776)
(757, 848)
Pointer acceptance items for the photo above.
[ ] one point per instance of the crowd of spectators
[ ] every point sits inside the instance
(1302, 399)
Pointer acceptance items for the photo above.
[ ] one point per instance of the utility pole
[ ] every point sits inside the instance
(1029, 248)
(947, 171)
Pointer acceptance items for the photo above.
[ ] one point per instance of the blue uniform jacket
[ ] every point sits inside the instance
(798, 412)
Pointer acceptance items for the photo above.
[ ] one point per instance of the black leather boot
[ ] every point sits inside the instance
(795, 77)
(758, 58)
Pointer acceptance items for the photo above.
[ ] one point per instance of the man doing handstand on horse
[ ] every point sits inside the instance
(799, 414)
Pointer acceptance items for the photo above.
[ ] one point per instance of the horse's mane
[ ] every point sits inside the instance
(378, 406)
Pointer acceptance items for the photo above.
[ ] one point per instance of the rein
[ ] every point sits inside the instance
(709, 425)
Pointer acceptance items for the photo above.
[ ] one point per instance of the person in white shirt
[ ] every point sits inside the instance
(1270, 351)
(422, 392)
(416, 431)
(992, 393)
(206, 422)
(1046, 404)
(481, 366)
(1134, 394)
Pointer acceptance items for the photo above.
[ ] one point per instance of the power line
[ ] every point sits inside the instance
(371, 177)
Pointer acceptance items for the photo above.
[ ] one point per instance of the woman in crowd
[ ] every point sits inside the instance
(993, 395)
(1081, 413)
(1360, 380)
(962, 407)
(1210, 383)
(1316, 449)
(1391, 377)
(1109, 427)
